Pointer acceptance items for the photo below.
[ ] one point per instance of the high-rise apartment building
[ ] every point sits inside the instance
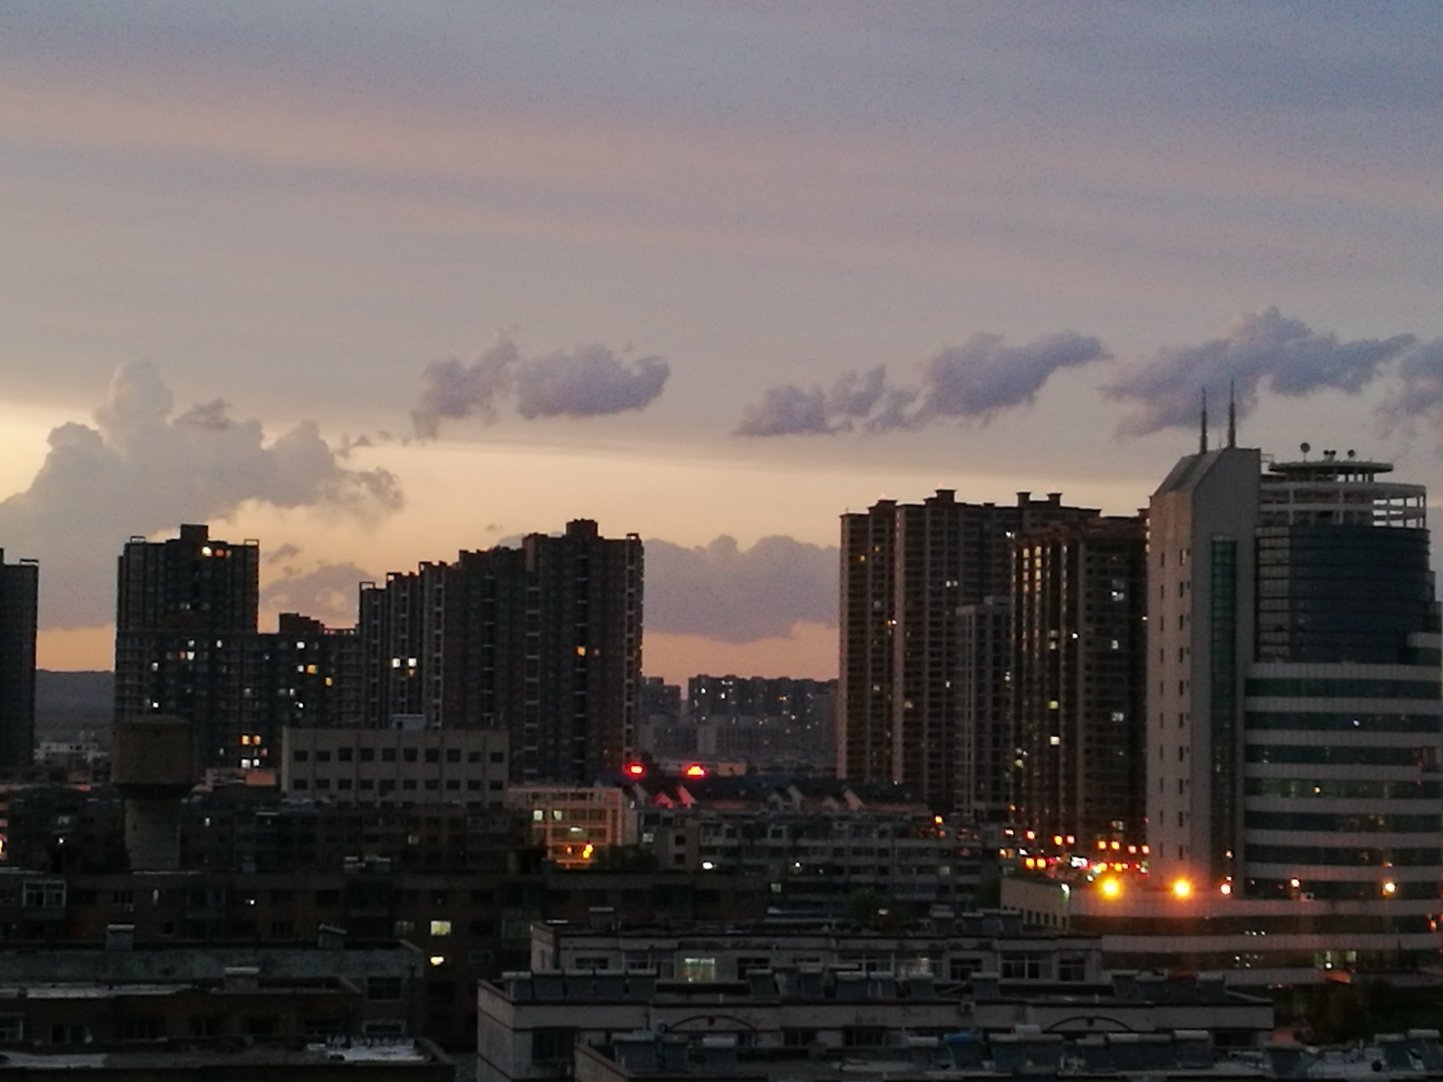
(180, 605)
(186, 645)
(1079, 643)
(19, 594)
(909, 572)
(543, 641)
(1295, 732)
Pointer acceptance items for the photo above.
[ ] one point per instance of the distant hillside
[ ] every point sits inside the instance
(68, 702)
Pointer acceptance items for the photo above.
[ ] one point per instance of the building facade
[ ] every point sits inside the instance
(909, 574)
(542, 641)
(1295, 734)
(1079, 647)
(392, 768)
(187, 644)
(19, 595)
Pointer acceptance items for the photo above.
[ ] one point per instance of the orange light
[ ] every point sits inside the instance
(695, 770)
(1181, 888)
(1117, 845)
(587, 851)
(1111, 888)
(1390, 888)
(634, 770)
(1226, 889)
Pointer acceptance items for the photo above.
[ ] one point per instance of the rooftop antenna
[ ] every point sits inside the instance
(1232, 415)
(1202, 443)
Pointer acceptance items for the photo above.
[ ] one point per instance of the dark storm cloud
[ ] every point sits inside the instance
(974, 381)
(725, 592)
(1262, 349)
(591, 381)
(142, 469)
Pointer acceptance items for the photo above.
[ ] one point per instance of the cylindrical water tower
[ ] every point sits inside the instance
(153, 764)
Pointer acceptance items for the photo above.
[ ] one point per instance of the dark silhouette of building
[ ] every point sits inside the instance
(1078, 679)
(186, 645)
(909, 572)
(19, 595)
(543, 641)
(179, 602)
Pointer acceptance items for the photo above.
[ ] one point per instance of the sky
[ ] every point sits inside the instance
(375, 283)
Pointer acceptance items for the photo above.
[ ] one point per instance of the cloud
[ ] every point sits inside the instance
(788, 411)
(1261, 349)
(984, 377)
(1420, 387)
(972, 382)
(141, 469)
(735, 595)
(591, 381)
(327, 592)
(278, 555)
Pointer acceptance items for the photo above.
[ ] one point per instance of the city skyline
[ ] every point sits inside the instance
(377, 289)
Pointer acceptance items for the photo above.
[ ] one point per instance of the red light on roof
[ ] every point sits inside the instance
(695, 770)
(634, 770)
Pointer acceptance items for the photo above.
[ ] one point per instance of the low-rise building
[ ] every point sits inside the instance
(574, 824)
(332, 1060)
(547, 1026)
(1254, 943)
(946, 947)
(395, 767)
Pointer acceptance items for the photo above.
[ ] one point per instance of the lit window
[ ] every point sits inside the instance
(440, 927)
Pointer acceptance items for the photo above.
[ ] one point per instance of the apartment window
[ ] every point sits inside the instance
(383, 989)
(346, 755)
(44, 894)
(142, 1028)
(440, 927)
(301, 755)
(1024, 965)
(453, 755)
(696, 970)
(553, 1044)
(368, 755)
(433, 755)
(12, 1028)
(388, 755)
(263, 1025)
